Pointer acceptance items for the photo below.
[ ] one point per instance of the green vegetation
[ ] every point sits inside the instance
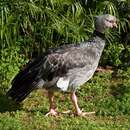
(108, 97)
(29, 27)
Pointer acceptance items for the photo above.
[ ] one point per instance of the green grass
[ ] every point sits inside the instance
(108, 96)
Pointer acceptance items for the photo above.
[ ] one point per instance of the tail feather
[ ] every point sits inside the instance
(20, 94)
(25, 81)
(29, 68)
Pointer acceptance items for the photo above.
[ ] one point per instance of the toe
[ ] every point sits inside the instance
(85, 113)
(52, 112)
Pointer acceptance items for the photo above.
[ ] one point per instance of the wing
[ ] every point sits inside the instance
(59, 61)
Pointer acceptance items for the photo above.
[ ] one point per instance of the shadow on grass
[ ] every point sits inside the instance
(120, 90)
(7, 104)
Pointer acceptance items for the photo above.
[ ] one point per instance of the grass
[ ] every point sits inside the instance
(102, 94)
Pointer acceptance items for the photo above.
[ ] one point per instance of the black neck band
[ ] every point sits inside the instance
(99, 34)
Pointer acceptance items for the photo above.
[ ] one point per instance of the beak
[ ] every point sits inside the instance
(115, 24)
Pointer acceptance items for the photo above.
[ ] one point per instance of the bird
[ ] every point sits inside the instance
(64, 68)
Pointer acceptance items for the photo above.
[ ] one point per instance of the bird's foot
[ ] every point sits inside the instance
(85, 113)
(52, 112)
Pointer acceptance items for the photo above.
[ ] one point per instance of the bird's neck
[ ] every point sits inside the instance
(99, 34)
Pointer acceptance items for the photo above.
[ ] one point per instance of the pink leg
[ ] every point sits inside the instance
(52, 110)
(75, 102)
(78, 110)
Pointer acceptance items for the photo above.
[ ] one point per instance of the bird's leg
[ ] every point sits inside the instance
(52, 108)
(75, 102)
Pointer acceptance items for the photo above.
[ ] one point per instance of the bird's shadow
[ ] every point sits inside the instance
(119, 91)
(6, 104)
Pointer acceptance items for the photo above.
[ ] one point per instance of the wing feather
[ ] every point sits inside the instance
(59, 61)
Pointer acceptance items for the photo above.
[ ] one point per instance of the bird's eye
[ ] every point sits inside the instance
(110, 21)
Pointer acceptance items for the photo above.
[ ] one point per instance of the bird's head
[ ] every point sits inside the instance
(105, 21)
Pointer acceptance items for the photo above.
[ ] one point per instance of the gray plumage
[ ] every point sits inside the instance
(64, 68)
(75, 63)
